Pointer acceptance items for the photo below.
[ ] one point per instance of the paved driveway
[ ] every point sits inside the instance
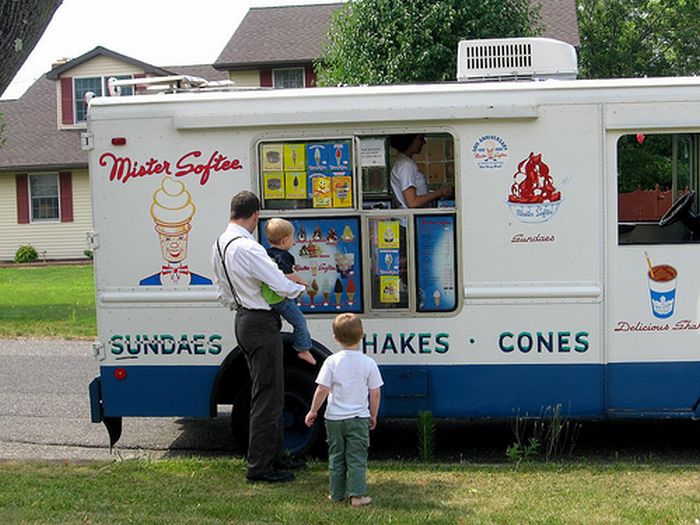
(45, 413)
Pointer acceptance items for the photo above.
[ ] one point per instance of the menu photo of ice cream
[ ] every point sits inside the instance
(435, 238)
(329, 263)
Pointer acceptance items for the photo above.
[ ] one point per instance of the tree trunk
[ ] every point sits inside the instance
(22, 22)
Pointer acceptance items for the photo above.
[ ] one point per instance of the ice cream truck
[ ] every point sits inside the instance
(564, 272)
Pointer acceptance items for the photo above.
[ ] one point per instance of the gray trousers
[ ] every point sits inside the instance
(258, 333)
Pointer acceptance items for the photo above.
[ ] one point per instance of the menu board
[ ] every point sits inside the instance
(436, 263)
(314, 174)
(327, 256)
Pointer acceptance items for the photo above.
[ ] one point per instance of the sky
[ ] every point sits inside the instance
(159, 32)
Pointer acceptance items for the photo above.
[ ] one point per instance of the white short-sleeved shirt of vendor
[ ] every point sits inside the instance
(404, 175)
(350, 375)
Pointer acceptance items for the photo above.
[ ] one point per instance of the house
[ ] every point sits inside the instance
(44, 185)
(44, 190)
(282, 57)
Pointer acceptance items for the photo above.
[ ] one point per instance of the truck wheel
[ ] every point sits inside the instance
(298, 438)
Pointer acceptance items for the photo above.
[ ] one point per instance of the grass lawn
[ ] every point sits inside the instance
(212, 491)
(47, 301)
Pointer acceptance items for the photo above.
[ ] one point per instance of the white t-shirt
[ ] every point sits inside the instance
(404, 175)
(350, 375)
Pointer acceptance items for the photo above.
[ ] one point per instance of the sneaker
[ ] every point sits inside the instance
(289, 463)
(359, 501)
(272, 476)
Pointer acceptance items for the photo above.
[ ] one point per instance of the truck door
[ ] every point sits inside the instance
(653, 281)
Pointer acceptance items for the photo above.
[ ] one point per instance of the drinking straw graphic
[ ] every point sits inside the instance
(651, 267)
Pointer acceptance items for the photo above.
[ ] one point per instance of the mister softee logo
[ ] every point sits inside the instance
(125, 168)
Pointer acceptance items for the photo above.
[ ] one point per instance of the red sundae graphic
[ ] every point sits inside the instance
(533, 197)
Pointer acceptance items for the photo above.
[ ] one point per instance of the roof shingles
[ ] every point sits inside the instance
(32, 137)
(296, 34)
(278, 34)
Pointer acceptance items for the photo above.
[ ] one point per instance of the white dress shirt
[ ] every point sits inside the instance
(405, 174)
(248, 267)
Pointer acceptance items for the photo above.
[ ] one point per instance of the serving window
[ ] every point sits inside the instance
(358, 249)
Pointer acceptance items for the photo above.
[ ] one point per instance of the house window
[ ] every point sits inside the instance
(44, 197)
(97, 85)
(288, 78)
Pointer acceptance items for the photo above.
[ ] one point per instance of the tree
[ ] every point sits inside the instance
(384, 41)
(637, 38)
(22, 22)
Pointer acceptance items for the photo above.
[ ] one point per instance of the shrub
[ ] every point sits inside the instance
(88, 254)
(26, 254)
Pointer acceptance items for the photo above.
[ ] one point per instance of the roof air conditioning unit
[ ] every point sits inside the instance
(515, 59)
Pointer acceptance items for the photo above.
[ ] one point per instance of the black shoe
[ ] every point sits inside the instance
(288, 463)
(272, 476)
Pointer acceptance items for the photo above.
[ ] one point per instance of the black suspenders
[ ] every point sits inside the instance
(236, 298)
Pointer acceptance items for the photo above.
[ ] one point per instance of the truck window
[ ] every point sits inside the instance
(435, 162)
(428, 283)
(657, 176)
(388, 252)
(408, 256)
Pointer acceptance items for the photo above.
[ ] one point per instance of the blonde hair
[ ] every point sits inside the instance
(278, 229)
(347, 329)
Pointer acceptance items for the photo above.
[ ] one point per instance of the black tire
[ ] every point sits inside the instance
(299, 386)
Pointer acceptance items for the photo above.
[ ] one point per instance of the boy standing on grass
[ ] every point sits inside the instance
(280, 234)
(348, 379)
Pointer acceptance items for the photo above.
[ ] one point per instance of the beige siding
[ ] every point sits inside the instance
(250, 78)
(102, 66)
(55, 240)
(97, 67)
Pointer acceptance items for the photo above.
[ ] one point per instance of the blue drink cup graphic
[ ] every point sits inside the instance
(662, 288)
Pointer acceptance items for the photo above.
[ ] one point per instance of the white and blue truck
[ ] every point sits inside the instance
(565, 270)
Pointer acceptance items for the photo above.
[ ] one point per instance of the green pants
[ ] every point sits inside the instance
(348, 441)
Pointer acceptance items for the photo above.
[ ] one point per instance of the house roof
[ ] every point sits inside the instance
(56, 72)
(295, 34)
(279, 35)
(32, 138)
(205, 71)
(559, 20)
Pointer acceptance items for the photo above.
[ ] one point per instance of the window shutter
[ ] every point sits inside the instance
(309, 76)
(66, 196)
(138, 88)
(67, 100)
(265, 78)
(22, 182)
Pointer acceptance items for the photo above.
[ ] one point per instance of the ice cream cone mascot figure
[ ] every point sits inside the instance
(172, 210)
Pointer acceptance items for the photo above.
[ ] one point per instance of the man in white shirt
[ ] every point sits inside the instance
(407, 182)
(257, 329)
